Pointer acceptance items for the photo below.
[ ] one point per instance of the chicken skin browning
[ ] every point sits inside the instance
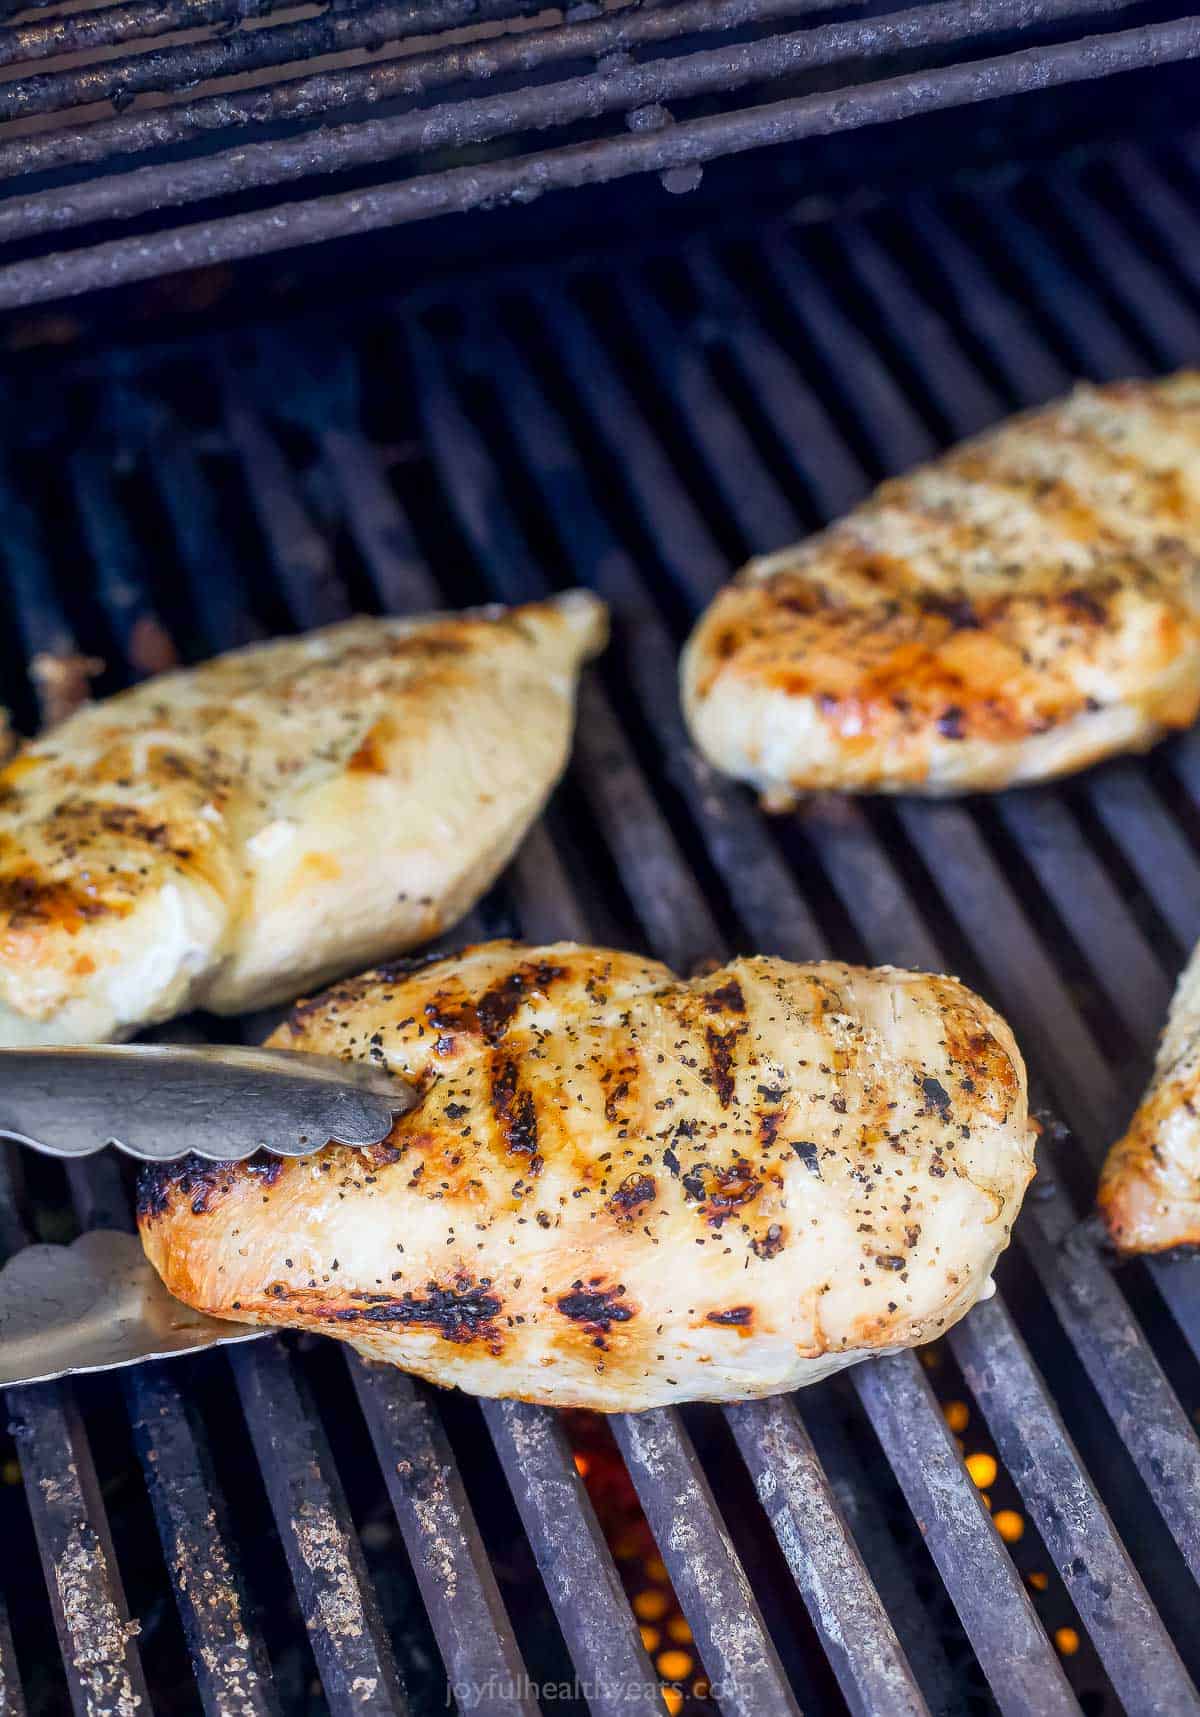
(1017, 609)
(623, 1189)
(1150, 1185)
(227, 835)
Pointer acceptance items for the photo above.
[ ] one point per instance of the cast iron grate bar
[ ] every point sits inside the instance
(581, 1579)
(706, 1572)
(443, 1541)
(96, 1637)
(327, 91)
(1025, 1675)
(679, 149)
(101, 1660)
(363, 142)
(1092, 908)
(849, 1614)
(1136, 1647)
(325, 1559)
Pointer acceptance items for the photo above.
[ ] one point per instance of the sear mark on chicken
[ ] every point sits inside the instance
(578, 1212)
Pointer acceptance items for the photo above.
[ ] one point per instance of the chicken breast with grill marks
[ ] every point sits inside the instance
(621, 1189)
(227, 835)
(1018, 609)
(1150, 1185)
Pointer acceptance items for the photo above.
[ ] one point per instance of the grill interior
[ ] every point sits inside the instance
(291, 1538)
(144, 136)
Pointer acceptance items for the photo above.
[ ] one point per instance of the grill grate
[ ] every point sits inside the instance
(222, 105)
(641, 431)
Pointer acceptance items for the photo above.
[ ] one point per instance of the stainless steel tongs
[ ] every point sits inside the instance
(159, 1102)
(98, 1303)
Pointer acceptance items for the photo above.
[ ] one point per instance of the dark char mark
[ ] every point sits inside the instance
(956, 609)
(204, 1182)
(736, 1315)
(596, 1308)
(515, 1112)
(393, 971)
(807, 1152)
(461, 1313)
(937, 1097)
(770, 1244)
(27, 899)
(722, 1190)
(491, 1014)
(727, 999)
(500, 1003)
(720, 1055)
(634, 1191)
(356, 989)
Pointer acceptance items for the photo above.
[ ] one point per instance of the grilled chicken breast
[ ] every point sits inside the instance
(230, 834)
(1150, 1185)
(621, 1189)
(1020, 608)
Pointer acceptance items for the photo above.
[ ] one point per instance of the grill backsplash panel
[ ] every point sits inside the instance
(293, 1532)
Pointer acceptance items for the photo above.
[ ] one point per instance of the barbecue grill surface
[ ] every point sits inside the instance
(147, 136)
(293, 1538)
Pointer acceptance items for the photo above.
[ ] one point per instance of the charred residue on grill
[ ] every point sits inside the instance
(595, 1308)
(205, 1183)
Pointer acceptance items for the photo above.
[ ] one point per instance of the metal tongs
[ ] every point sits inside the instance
(159, 1102)
(98, 1303)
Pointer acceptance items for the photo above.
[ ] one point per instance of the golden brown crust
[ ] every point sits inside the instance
(621, 1189)
(1150, 1185)
(225, 835)
(1021, 607)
